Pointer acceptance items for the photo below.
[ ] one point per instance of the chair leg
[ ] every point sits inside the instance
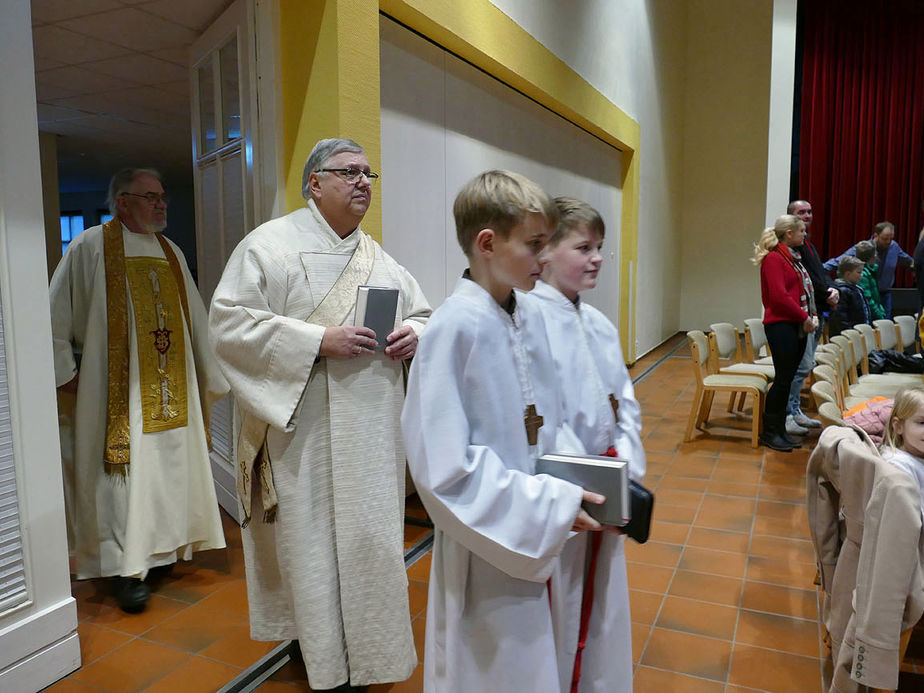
(756, 419)
(742, 398)
(694, 414)
(705, 408)
(731, 402)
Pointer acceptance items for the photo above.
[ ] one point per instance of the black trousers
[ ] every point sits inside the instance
(787, 345)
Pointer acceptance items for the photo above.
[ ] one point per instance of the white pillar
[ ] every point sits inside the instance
(38, 632)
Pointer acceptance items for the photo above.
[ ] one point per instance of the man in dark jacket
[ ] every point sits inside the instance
(826, 294)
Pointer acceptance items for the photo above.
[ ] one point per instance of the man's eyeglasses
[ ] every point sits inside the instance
(351, 175)
(152, 197)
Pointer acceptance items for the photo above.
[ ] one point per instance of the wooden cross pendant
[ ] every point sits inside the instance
(614, 403)
(533, 423)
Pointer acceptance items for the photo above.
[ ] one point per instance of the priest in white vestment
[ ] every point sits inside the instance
(131, 341)
(601, 408)
(321, 463)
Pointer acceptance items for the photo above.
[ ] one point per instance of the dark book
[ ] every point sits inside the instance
(641, 501)
(376, 308)
(608, 476)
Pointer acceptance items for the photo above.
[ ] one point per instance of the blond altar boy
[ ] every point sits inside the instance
(483, 402)
(601, 408)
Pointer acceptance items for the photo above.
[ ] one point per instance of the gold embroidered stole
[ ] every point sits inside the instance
(116, 456)
(331, 312)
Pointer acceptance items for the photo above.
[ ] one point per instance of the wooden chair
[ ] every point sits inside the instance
(724, 345)
(889, 335)
(860, 349)
(755, 342)
(708, 383)
(907, 331)
(869, 334)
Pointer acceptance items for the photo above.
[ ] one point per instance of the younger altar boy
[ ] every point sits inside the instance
(601, 408)
(483, 402)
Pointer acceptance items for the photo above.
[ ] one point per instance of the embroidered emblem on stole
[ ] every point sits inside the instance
(161, 342)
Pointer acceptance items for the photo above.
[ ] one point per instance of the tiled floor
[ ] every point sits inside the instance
(722, 594)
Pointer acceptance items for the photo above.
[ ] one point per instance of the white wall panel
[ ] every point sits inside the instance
(443, 122)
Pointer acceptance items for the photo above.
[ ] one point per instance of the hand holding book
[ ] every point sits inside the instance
(583, 521)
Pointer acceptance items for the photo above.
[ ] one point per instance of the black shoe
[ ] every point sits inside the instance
(132, 594)
(159, 572)
(791, 441)
(775, 441)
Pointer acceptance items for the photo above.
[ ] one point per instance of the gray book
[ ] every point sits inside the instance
(376, 308)
(608, 476)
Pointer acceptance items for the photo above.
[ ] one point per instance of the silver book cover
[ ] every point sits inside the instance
(608, 476)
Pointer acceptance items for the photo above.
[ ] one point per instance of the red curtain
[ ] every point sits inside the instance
(861, 147)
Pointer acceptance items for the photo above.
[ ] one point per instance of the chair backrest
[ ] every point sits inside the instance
(888, 333)
(726, 340)
(860, 354)
(847, 354)
(869, 336)
(907, 329)
(755, 338)
(833, 373)
(823, 391)
(699, 350)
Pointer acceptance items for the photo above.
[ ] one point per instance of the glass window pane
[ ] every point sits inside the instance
(104, 217)
(207, 140)
(230, 91)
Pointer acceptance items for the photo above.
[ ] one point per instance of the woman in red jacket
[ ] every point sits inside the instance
(789, 314)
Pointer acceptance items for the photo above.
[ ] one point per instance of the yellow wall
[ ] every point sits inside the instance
(330, 87)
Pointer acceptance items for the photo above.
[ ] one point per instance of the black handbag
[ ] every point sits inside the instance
(892, 361)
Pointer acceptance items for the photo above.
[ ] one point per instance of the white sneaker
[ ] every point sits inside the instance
(804, 421)
(794, 429)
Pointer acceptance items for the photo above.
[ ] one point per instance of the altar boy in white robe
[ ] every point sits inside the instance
(600, 406)
(483, 403)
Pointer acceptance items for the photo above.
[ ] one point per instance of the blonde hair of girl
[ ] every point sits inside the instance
(908, 402)
(772, 236)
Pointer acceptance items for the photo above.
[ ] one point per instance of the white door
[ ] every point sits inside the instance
(222, 135)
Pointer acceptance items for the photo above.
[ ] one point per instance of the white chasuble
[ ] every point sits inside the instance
(588, 359)
(330, 570)
(499, 529)
(165, 508)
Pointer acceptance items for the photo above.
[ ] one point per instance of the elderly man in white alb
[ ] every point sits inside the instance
(131, 341)
(320, 456)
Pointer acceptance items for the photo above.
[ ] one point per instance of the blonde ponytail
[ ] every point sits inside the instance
(772, 236)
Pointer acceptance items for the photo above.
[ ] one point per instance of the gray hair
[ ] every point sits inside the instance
(323, 151)
(122, 180)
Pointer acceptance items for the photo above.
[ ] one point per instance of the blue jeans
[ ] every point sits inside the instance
(885, 298)
(805, 367)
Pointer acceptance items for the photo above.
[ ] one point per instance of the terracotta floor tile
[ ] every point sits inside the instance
(237, 649)
(778, 672)
(648, 680)
(653, 553)
(722, 540)
(715, 562)
(132, 667)
(669, 532)
(783, 479)
(798, 575)
(195, 628)
(737, 476)
(731, 488)
(96, 641)
(640, 633)
(93, 597)
(644, 606)
(684, 499)
(682, 483)
(283, 687)
(707, 588)
(777, 632)
(159, 609)
(792, 494)
(419, 629)
(776, 599)
(648, 578)
(722, 512)
(782, 549)
(699, 618)
(193, 586)
(412, 685)
(771, 526)
(195, 675)
(231, 598)
(413, 533)
(692, 466)
(70, 685)
(673, 513)
(794, 512)
(421, 569)
(688, 654)
(292, 672)
(655, 469)
(417, 595)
